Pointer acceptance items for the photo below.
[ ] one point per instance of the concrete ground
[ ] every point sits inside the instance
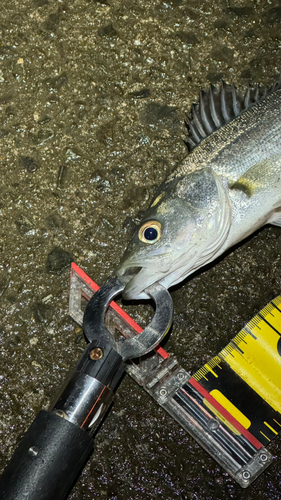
(92, 98)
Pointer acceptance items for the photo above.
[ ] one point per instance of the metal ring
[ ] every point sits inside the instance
(148, 339)
(94, 316)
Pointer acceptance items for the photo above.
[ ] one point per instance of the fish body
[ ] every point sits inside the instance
(228, 187)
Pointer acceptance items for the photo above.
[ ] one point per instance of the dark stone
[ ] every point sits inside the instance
(42, 136)
(188, 38)
(53, 222)
(224, 54)
(246, 73)
(42, 312)
(250, 33)
(43, 120)
(3, 132)
(7, 50)
(254, 70)
(241, 11)
(220, 23)
(58, 260)
(10, 111)
(189, 13)
(133, 194)
(119, 172)
(52, 98)
(57, 82)
(273, 16)
(40, 3)
(107, 31)
(5, 98)
(12, 298)
(140, 94)
(157, 114)
(106, 132)
(28, 163)
(51, 24)
(214, 77)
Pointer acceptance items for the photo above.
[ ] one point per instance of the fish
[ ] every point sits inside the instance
(228, 186)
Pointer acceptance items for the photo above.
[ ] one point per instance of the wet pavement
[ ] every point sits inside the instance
(92, 98)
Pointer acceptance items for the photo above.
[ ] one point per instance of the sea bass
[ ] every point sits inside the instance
(227, 188)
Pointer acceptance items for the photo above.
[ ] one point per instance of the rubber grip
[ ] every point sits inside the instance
(47, 461)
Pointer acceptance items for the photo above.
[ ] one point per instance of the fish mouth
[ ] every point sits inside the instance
(136, 279)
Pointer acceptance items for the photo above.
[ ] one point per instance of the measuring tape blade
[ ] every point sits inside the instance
(242, 385)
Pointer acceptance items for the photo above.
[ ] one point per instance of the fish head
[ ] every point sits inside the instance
(176, 234)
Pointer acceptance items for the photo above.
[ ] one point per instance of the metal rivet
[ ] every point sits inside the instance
(213, 425)
(246, 475)
(263, 457)
(163, 392)
(96, 353)
(33, 451)
(59, 413)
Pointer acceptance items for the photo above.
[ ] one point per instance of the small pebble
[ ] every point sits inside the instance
(58, 259)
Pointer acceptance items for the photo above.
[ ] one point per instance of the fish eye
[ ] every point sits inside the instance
(150, 232)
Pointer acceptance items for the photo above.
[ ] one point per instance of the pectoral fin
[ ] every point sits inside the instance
(275, 218)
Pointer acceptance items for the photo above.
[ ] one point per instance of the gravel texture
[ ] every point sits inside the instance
(92, 99)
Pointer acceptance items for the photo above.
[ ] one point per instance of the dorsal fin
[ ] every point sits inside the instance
(218, 106)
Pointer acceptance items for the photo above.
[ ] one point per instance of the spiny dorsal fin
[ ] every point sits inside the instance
(218, 106)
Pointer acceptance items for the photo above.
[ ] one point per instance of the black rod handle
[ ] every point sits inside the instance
(47, 461)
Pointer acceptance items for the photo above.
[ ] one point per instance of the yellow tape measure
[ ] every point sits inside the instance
(242, 385)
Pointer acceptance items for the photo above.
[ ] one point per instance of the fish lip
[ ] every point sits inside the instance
(132, 290)
(124, 274)
(131, 274)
